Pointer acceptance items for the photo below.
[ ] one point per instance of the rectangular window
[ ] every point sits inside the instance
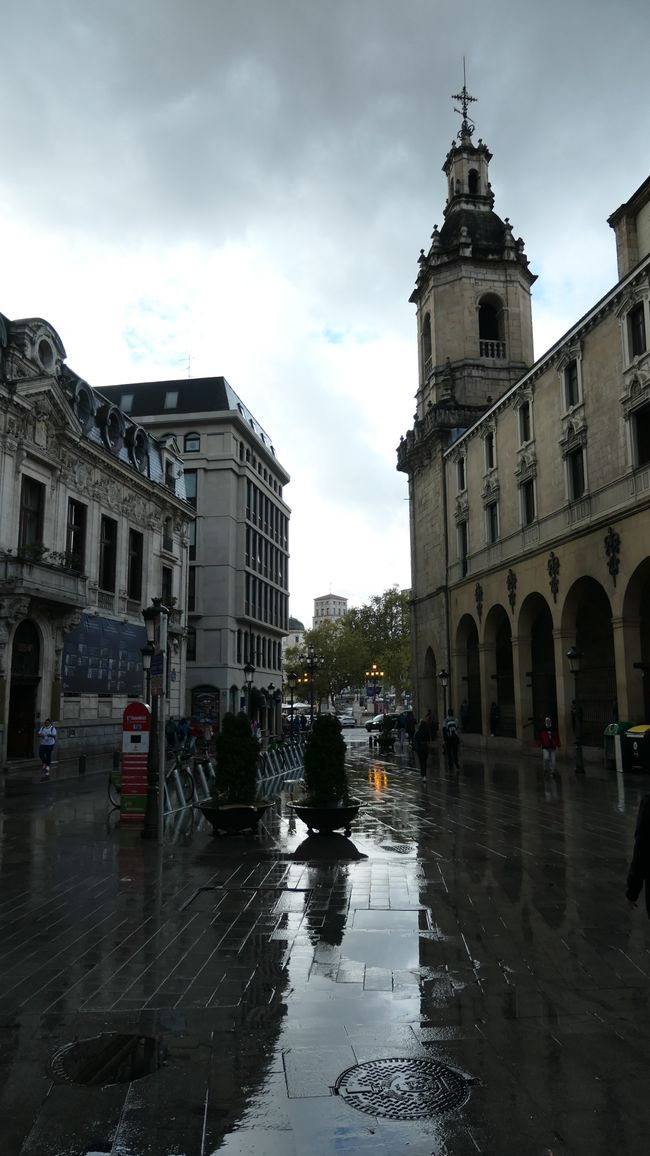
(75, 537)
(636, 330)
(191, 644)
(489, 452)
(191, 590)
(32, 508)
(524, 423)
(192, 534)
(167, 584)
(171, 399)
(571, 392)
(462, 547)
(190, 487)
(107, 554)
(460, 473)
(528, 502)
(642, 436)
(576, 466)
(492, 518)
(136, 554)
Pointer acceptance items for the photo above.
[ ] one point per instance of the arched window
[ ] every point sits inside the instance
(192, 443)
(490, 327)
(473, 182)
(426, 342)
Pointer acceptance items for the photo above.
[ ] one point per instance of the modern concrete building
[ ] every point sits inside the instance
(93, 525)
(529, 483)
(238, 587)
(329, 607)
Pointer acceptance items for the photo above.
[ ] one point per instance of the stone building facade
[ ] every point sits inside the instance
(238, 586)
(329, 608)
(529, 483)
(93, 525)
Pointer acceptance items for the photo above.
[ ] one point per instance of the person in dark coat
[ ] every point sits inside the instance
(639, 872)
(421, 740)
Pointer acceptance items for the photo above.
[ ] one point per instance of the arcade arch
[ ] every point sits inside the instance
(467, 681)
(497, 641)
(587, 618)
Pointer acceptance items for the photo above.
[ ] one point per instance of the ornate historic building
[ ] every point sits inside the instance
(529, 483)
(93, 524)
(238, 589)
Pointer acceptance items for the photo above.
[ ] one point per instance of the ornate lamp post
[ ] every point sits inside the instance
(277, 699)
(147, 653)
(155, 620)
(312, 662)
(375, 675)
(292, 679)
(574, 656)
(249, 675)
(444, 682)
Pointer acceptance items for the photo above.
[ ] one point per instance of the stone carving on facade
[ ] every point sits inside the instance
(511, 586)
(637, 393)
(462, 508)
(12, 611)
(478, 598)
(490, 489)
(612, 551)
(574, 434)
(526, 465)
(553, 567)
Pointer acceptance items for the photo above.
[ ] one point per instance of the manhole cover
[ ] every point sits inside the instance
(402, 1089)
(112, 1058)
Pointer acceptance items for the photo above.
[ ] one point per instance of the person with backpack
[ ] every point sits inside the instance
(47, 739)
(450, 739)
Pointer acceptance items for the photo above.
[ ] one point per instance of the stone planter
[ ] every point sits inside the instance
(324, 819)
(233, 818)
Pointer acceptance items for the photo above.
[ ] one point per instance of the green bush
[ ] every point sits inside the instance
(237, 755)
(325, 774)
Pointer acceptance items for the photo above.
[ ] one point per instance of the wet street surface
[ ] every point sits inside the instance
(461, 976)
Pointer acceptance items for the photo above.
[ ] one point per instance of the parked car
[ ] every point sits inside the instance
(347, 720)
(376, 723)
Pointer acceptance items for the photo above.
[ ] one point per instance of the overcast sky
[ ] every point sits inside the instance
(242, 187)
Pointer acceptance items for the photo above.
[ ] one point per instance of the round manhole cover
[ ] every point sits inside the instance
(402, 1089)
(112, 1058)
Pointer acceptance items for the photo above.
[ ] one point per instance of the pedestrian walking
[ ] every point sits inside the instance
(47, 736)
(421, 740)
(549, 741)
(450, 739)
(495, 719)
(402, 731)
(639, 871)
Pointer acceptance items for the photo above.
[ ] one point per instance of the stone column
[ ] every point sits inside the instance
(629, 678)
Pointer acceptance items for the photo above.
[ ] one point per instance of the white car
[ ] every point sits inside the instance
(347, 720)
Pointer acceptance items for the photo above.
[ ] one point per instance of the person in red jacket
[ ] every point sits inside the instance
(548, 740)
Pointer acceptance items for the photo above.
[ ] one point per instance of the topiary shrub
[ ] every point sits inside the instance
(325, 775)
(237, 755)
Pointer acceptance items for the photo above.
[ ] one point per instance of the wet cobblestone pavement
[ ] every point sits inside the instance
(461, 976)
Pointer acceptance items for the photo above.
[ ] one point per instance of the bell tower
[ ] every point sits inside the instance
(475, 333)
(475, 340)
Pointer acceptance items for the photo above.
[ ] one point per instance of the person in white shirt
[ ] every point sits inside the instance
(450, 739)
(47, 735)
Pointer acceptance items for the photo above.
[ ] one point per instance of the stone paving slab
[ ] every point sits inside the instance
(475, 921)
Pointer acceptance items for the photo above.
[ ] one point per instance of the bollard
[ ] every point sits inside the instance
(82, 764)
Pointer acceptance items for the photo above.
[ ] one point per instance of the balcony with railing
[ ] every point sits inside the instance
(496, 350)
(46, 581)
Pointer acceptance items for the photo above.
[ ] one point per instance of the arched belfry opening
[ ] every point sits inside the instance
(491, 327)
(426, 342)
(474, 182)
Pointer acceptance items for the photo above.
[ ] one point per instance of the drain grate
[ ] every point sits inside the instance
(112, 1058)
(402, 1089)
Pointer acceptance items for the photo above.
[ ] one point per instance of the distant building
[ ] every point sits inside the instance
(296, 635)
(93, 525)
(329, 607)
(529, 483)
(238, 586)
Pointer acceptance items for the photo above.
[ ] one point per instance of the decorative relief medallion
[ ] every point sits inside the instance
(612, 550)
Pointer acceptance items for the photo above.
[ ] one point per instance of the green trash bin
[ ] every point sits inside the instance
(614, 728)
(635, 748)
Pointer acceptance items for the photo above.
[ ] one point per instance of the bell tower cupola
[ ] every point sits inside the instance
(475, 332)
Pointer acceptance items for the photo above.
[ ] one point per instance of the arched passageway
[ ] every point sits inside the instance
(468, 682)
(588, 613)
(499, 666)
(537, 663)
(636, 616)
(429, 687)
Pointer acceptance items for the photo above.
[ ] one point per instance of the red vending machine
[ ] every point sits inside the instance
(136, 729)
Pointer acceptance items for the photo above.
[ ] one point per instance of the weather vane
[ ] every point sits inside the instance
(467, 127)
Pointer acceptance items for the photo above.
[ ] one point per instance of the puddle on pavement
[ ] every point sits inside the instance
(112, 1058)
(386, 938)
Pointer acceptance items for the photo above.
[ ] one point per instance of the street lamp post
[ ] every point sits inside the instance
(312, 662)
(375, 675)
(147, 653)
(574, 656)
(444, 682)
(292, 679)
(249, 675)
(277, 699)
(155, 620)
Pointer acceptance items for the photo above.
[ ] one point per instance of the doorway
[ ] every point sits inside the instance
(25, 677)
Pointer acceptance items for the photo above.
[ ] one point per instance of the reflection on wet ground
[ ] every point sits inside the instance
(460, 976)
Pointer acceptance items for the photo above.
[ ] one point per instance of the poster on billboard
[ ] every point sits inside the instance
(103, 656)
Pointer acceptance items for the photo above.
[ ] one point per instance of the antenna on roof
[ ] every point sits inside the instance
(189, 365)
